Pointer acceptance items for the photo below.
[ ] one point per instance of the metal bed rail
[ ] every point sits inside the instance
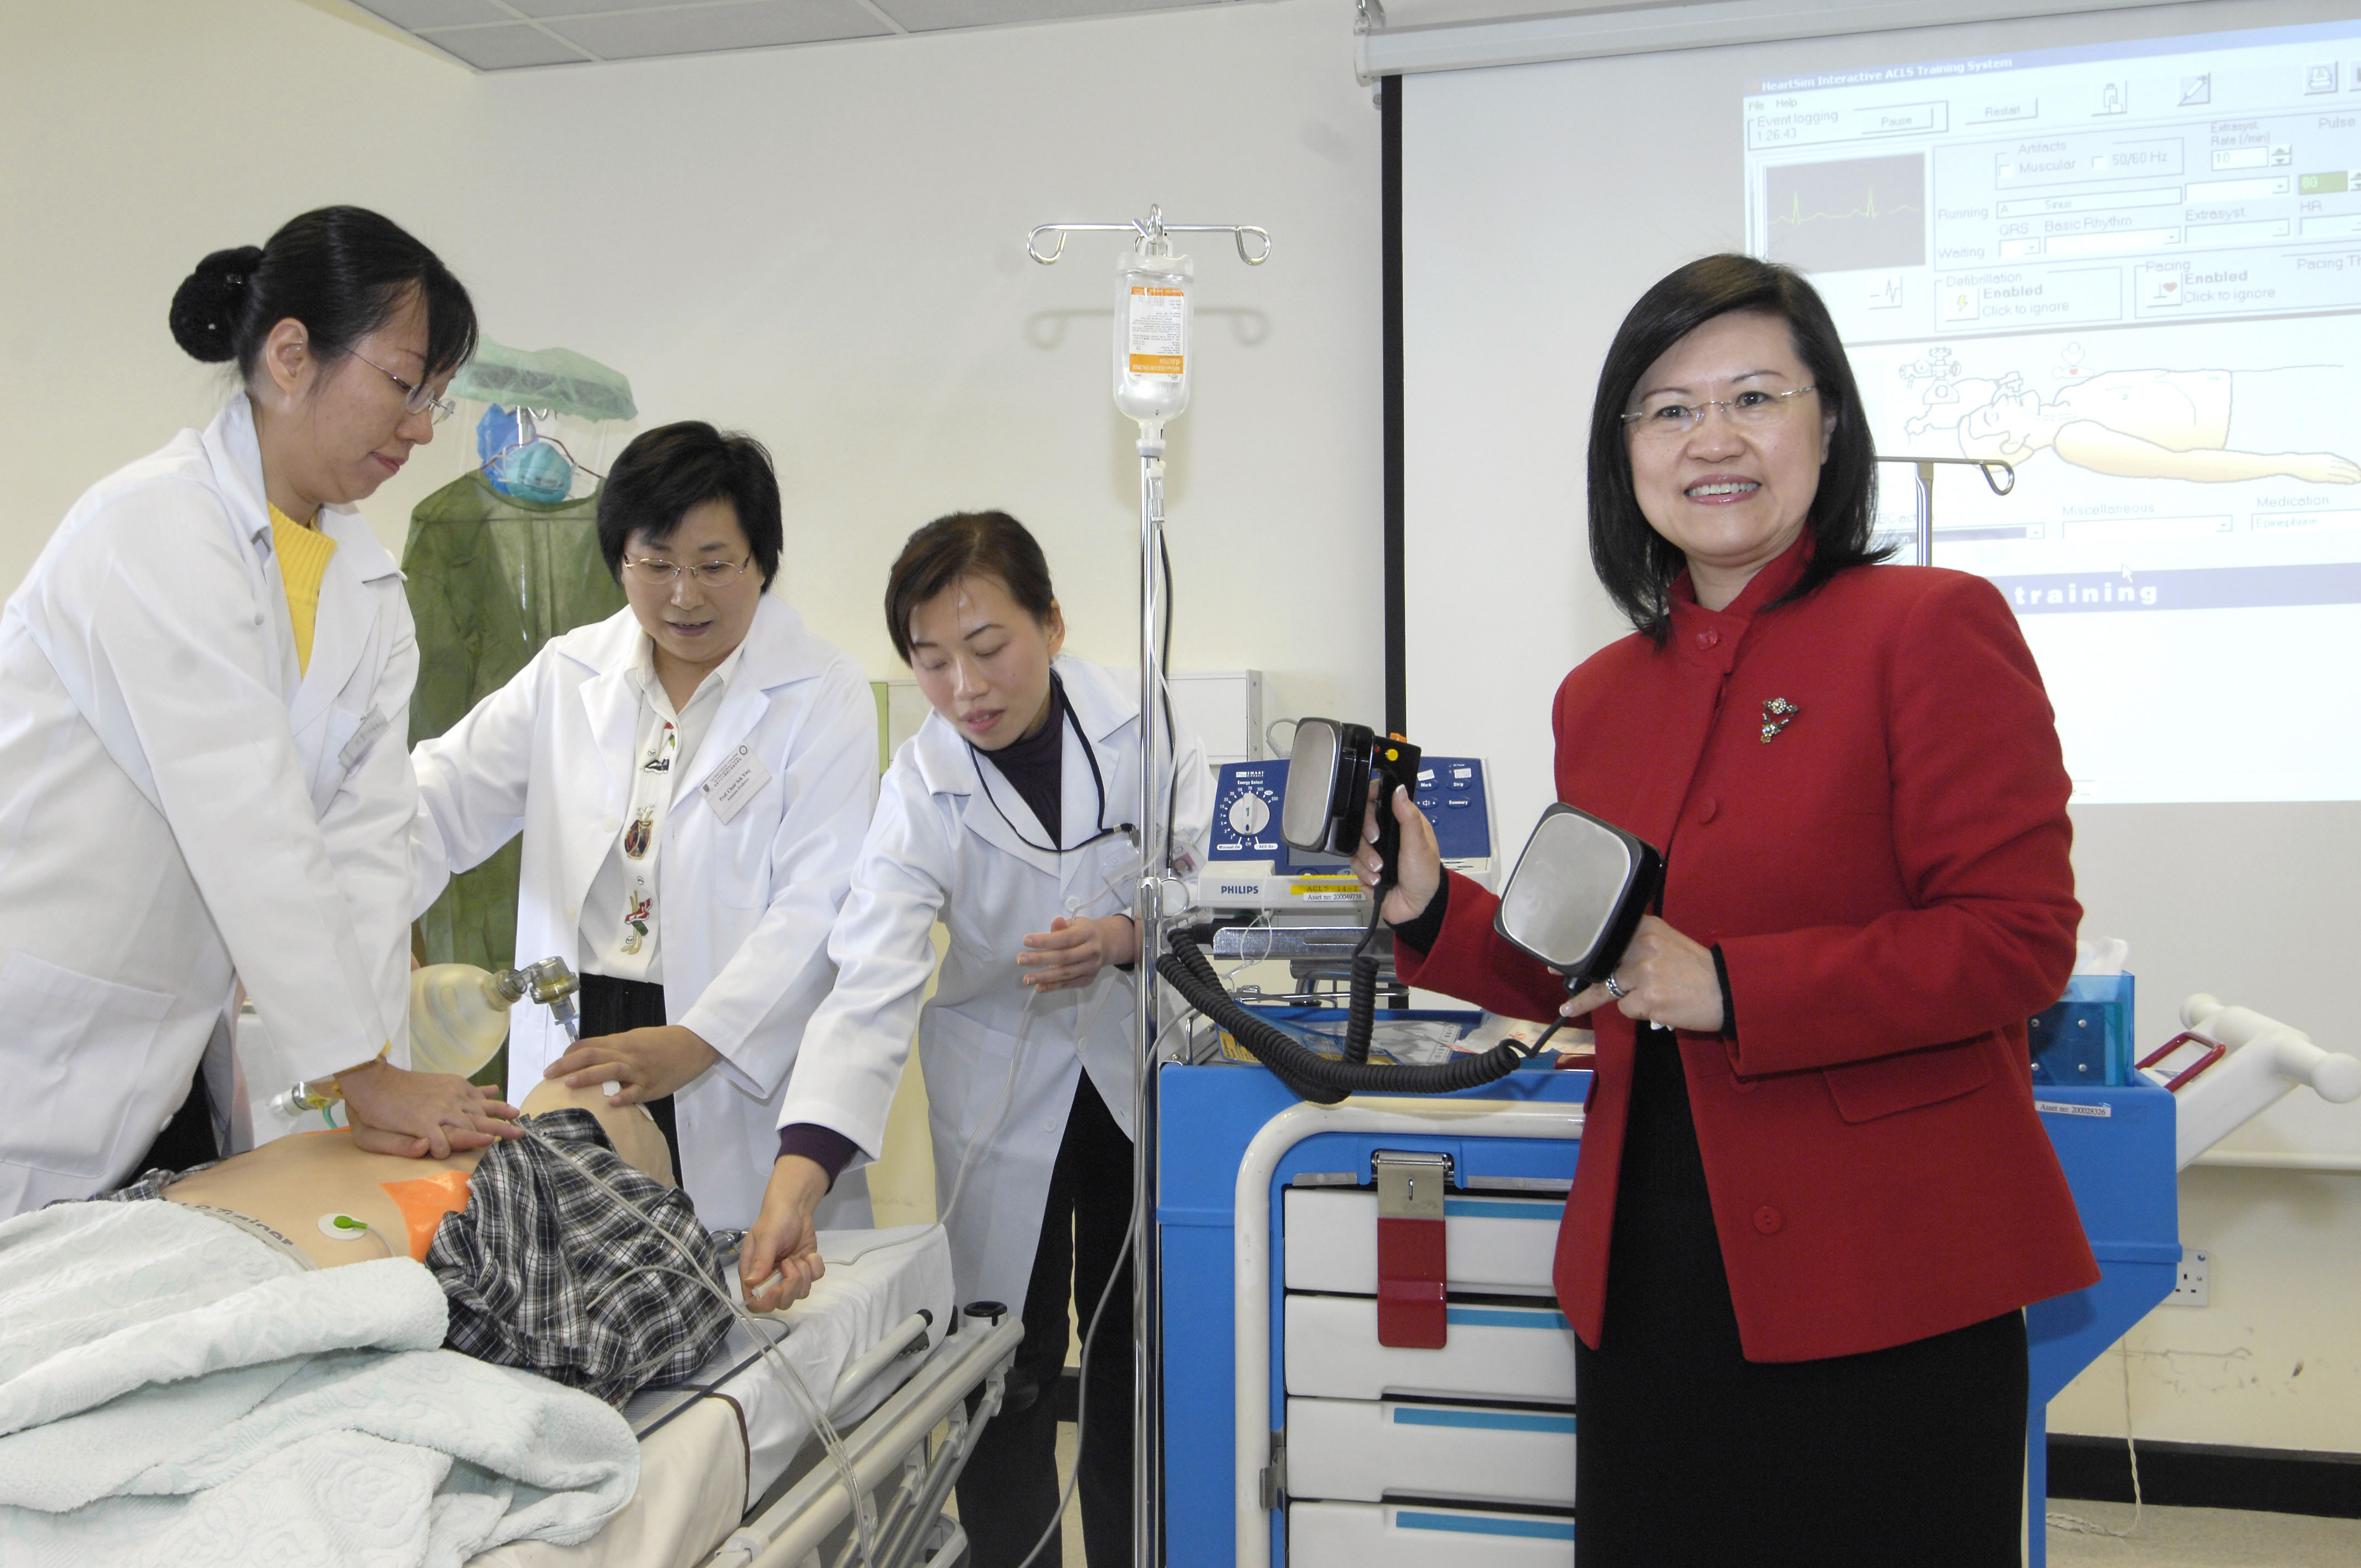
(896, 1437)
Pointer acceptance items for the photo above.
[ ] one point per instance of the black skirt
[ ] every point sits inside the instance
(1688, 1453)
(610, 1006)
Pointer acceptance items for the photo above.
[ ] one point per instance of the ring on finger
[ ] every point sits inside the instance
(1615, 990)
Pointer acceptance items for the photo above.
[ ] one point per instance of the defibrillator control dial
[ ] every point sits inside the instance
(1249, 813)
(1246, 811)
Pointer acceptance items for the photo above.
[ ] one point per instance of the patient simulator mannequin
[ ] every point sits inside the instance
(289, 1184)
(569, 1251)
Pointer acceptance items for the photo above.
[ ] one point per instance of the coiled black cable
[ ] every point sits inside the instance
(1361, 1004)
(1361, 1008)
(1310, 1075)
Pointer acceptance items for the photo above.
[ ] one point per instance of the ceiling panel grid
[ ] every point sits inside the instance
(511, 35)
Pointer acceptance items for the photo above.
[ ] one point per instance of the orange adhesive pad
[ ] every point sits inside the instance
(424, 1201)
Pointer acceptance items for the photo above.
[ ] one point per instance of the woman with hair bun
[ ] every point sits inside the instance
(202, 775)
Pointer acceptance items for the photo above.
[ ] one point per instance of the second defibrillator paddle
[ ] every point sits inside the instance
(1576, 896)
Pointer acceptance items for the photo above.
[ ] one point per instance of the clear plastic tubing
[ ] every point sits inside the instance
(1152, 324)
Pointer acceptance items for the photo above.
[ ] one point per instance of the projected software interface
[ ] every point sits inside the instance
(2135, 272)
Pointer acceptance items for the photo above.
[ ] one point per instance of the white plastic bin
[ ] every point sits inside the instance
(1494, 1246)
(1495, 1351)
(1365, 1451)
(1418, 1535)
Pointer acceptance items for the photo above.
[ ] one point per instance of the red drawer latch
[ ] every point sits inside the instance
(1410, 1252)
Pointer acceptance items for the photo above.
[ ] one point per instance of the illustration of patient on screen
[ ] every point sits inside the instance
(2213, 426)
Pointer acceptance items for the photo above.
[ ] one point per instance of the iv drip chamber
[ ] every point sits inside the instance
(1151, 332)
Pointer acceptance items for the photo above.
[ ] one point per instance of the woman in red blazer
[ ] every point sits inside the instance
(1814, 1195)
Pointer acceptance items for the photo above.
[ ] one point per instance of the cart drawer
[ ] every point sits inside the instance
(1496, 1245)
(1524, 1354)
(1365, 1451)
(1388, 1535)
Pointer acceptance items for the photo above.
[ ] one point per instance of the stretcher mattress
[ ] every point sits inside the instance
(713, 1446)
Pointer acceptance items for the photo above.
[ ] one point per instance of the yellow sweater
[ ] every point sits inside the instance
(303, 554)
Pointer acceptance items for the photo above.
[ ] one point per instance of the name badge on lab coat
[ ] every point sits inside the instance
(734, 783)
(365, 734)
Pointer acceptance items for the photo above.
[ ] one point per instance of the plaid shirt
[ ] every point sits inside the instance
(547, 1271)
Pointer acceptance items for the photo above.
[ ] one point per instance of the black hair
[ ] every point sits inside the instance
(342, 271)
(666, 471)
(1635, 563)
(966, 544)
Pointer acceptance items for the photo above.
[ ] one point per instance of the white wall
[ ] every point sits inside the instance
(823, 246)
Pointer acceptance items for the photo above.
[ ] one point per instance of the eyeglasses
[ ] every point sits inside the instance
(1752, 408)
(658, 573)
(417, 399)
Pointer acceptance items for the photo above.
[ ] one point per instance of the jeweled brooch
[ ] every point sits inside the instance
(1777, 714)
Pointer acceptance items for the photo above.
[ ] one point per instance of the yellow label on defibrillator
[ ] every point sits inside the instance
(1324, 888)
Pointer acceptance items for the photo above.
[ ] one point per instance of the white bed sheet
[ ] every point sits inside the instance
(693, 1446)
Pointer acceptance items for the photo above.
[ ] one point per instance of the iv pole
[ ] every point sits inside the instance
(2000, 475)
(1148, 903)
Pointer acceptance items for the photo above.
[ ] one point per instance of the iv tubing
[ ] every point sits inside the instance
(864, 1507)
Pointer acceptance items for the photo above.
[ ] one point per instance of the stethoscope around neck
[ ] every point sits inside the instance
(1098, 783)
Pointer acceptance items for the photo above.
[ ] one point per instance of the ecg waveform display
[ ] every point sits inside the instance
(1856, 214)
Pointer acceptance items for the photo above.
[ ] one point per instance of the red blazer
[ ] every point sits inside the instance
(1887, 877)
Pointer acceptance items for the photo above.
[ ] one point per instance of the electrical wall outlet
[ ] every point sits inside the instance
(2189, 1287)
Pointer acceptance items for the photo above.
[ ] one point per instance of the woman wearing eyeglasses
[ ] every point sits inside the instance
(692, 777)
(1813, 1194)
(207, 675)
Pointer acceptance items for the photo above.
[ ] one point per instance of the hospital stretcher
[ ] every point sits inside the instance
(731, 1474)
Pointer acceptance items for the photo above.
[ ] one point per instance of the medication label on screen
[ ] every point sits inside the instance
(1154, 340)
(2068, 1108)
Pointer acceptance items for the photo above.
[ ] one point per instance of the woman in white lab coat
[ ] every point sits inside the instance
(1008, 817)
(692, 776)
(208, 677)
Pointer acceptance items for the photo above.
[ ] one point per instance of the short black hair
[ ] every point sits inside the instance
(1635, 563)
(342, 271)
(666, 471)
(966, 544)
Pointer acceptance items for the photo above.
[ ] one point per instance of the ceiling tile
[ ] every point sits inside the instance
(696, 29)
(934, 16)
(415, 13)
(540, 9)
(504, 48)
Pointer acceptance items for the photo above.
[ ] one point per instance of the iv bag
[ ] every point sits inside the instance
(1151, 336)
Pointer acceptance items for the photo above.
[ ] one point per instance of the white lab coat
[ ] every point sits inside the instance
(746, 905)
(179, 803)
(938, 848)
